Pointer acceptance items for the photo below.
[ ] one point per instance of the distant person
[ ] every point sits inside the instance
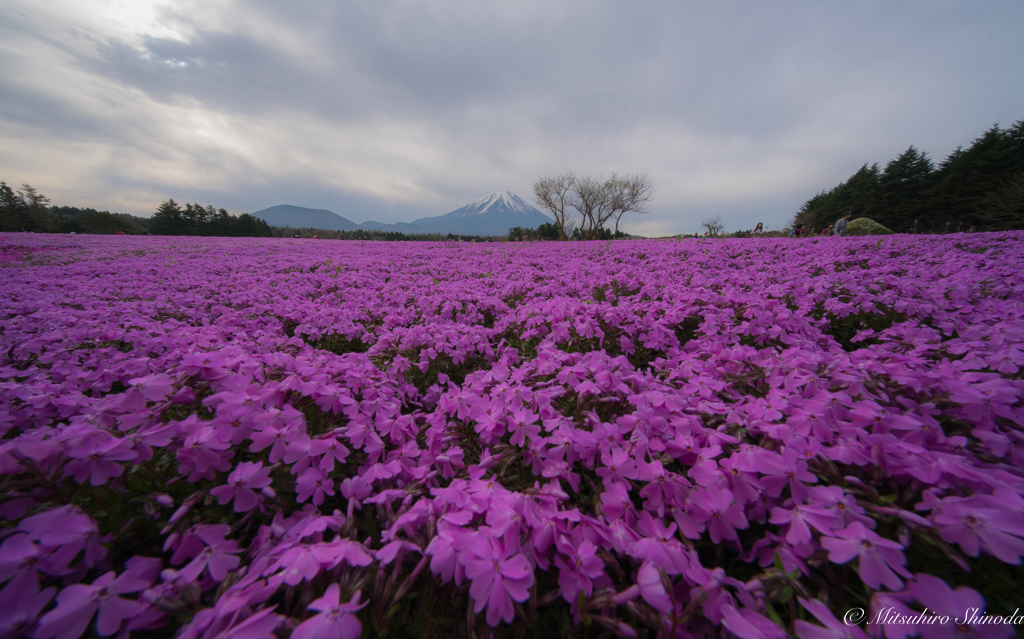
(842, 223)
(827, 231)
(799, 231)
(759, 230)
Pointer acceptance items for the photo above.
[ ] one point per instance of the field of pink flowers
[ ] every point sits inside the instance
(754, 438)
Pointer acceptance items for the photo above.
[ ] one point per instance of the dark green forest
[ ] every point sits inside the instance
(979, 188)
(25, 209)
(172, 218)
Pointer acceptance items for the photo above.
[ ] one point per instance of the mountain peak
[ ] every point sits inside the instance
(504, 201)
(493, 214)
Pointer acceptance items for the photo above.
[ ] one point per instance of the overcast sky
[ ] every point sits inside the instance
(393, 110)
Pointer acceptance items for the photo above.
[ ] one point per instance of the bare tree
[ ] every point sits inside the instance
(593, 202)
(589, 203)
(630, 194)
(713, 225)
(556, 195)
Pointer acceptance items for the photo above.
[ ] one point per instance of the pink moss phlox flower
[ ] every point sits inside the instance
(839, 503)
(217, 556)
(335, 620)
(277, 428)
(959, 605)
(21, 601)
(210, 366)
(78, 603)
(712, 590)
(652, 587)
(95, 458)
(660, 487)
(771, 547)
(974, 524)
(497, 578)
(722, 516)
(545, 523)
(615, 500)
(220, 624)
(785, 469)
(489, 415)
(206, 450)
(704, 470)
(618, 465)
(277, 437)
(805, 421)
(247, 591)
(578, 567)
(243, 482)
(70, 529)
(747, 623)
(522, 423)
(155, 387)
(420, 512)
(299, 564)
(331, 554)
(313, 483)
(395, 551)
(889, 612)
(802, 518)
(444, 549)
(881, 560)
(330, 450)
(659, 546)
(741, 476)
(505, 516)
(356, 490)
(833, 628)
(18, 553)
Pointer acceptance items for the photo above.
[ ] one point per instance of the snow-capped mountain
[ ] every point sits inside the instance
(493, 214)
(498, 202)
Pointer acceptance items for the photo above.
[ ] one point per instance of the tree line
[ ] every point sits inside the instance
(980, 187)
(172, 218)
(26, 209)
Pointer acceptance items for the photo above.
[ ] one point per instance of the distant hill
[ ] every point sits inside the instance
(493, 214)
(297, 217)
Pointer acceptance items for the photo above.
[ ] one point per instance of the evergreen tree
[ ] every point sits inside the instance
(39, 218)
(1003, 210)
(900, 189)
(969, 176)
(977, 187)
(858, 194)
(24, 210)
(169, 219)
(13, 211)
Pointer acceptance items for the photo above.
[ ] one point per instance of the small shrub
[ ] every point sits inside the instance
(866, 226)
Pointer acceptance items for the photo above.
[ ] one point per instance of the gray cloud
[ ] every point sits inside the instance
(399, 109)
